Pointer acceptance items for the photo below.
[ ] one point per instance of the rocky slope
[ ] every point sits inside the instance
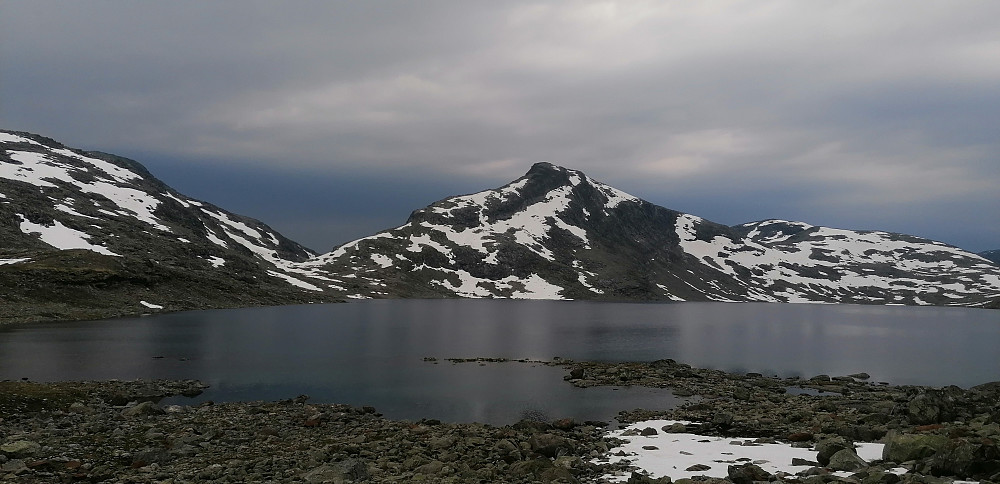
(558, 234)
(87, 234)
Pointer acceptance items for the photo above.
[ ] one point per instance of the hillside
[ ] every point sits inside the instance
(88, 235)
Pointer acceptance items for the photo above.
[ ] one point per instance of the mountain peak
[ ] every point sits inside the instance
(545, 167)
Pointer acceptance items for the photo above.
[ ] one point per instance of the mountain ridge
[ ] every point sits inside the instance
(573, 237)
(92, 224)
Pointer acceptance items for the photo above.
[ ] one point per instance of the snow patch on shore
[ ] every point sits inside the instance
(675, 453)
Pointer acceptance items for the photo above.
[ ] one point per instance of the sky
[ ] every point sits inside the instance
(330, 121)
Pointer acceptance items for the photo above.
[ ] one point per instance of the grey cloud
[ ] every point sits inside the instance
(818, 106)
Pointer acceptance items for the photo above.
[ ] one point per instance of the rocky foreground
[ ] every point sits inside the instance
(114, 432)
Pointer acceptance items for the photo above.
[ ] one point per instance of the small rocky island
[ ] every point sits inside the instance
(116, 432)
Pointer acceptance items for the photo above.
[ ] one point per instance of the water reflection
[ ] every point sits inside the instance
(370, 353)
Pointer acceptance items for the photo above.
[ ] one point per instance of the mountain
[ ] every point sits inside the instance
(91, 235)
(556, 233)
(991, 255)
(88, 234)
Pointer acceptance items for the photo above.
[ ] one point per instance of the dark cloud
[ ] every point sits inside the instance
(853, 114)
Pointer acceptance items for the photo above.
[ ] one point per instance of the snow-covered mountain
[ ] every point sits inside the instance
(87, 229)
(89, 235)
(556, 233)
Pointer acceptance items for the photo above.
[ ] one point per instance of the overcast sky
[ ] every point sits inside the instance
(331, 120)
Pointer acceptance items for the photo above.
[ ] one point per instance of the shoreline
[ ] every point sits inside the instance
(112, 431)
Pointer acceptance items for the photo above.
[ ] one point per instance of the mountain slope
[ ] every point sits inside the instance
(87, 234)
(557, 234)
(991, 255)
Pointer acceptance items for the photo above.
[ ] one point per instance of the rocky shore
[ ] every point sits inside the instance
(86, 432)
(115, 432)
(950, 433)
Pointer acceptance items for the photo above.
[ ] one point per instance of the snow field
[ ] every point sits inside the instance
(674, 453)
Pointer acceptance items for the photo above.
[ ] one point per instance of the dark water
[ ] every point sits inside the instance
(370, 353)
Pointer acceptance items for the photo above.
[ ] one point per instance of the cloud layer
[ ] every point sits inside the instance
(858, 114)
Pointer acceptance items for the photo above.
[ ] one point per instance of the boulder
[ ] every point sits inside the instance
(967, 458)
(637, 478)
(20, 448)
(828, 446)
(528, 468)
(433, 467)
(143, 409)
(846, 460)
(880, 477)
(932, 406)
(904, 447)
(350, 470)
(550, 445)
(507, 451)
(748, 474)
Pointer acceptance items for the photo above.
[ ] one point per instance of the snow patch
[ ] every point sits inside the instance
(13, 138)
(150, 305)
(674, 453)
(62, 237)
(382, 260)
(295, 282)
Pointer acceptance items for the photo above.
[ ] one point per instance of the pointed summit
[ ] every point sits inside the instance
(556, 233)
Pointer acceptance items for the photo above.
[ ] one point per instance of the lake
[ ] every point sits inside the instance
(371, 352)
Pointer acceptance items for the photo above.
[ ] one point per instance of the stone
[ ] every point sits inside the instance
(636, 478)
(508, 451)
(796, 461)
(906, 447)
(826, 447)
(525, 468)
(432, 467)
(549, 445)
(349, 470)
(14, 466)
(648, 431)
(77, 407)
(880, 477)
(143, 409)
(698, 468)
(325, 473)
(846, 460)
(150, 456)
(557, 475)
(967, 458)
(932, 406)
(748, 474)
(444, 442)
(564, 424)
(675, 428)
(20, 448)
